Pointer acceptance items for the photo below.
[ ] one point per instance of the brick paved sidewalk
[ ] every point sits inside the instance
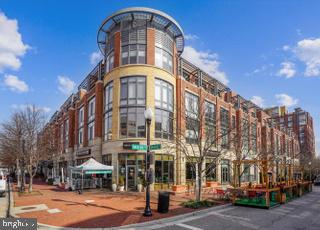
(94, 208)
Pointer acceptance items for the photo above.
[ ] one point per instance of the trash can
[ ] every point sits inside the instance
(163, 202)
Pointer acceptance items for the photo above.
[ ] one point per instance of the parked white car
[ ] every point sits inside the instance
(3, 184)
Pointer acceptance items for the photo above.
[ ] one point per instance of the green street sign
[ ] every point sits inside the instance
(155, 146)
(138, 147)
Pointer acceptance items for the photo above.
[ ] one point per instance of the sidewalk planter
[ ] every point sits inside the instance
(114, 187)
(179, 188)
(121, 183)
(283, 198)
(121, 188)
(139, 187)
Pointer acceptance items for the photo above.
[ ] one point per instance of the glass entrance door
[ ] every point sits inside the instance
(131, 177)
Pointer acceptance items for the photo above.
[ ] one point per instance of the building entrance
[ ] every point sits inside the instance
(131, 177)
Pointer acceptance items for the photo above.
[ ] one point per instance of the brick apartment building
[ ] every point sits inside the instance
(299, 122)
(142, 68)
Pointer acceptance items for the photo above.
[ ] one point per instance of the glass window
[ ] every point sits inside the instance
(81, 117)
(225, 171)
(164, 169)
(224, 126)
(109, 62)
(191, 105)
(133, 91)
(66, 133)
(91, 131)
(210, 121)
(211, 170)
(107, 124)
(107, 159)
(163, 95)
(108, 96)
(80, 136)
(254, 137)
(163, 51)
(190, 171)
(132, 122)
(91, 110)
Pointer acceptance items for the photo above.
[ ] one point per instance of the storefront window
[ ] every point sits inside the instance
(164, 169)
(225, 171)
(107, 159)
(211, 170)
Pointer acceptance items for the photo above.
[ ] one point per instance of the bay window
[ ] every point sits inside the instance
(164, 109)
(80, 125)
(91, 117)
(132, 106)
(163, 51)
(108, 99)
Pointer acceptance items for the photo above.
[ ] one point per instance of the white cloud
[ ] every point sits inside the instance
(285, 47)
(191, 37)
(65, 84)
(45, 109)
(287, 69)
(285, 99)
(308, 51)
(207, 61)
(15, 84)
(11, 44)
(95, 57)
(259, 101)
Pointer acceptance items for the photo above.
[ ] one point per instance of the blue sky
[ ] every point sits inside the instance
(268, 51)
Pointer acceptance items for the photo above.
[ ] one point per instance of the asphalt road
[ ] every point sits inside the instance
(301, 213)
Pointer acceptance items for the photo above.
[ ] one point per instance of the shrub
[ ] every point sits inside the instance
(197, 204)
(50, 181)
(121, 181)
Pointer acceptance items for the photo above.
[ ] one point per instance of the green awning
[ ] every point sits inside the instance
(98, 172)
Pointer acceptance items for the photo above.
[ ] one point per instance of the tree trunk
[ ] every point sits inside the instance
(198, 182)
(30, 183)
(239, 175)
(18, 174)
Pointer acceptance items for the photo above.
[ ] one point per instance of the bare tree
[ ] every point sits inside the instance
(24, 140)
(11, 138)
(198, 140)
(35, 145)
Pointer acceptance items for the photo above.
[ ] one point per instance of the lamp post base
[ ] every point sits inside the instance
(147, 212)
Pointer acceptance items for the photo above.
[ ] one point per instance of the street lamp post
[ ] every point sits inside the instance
(310, 170)
(148, 115)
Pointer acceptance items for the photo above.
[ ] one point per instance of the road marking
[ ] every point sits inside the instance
(54, 210)
(188, 226)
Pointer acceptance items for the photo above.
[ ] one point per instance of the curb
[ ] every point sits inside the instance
(146, 225)
(143, 225)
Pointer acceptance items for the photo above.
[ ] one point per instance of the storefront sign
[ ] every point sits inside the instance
(155, 146)
(84, 152)
(138, 147)
(128, 145)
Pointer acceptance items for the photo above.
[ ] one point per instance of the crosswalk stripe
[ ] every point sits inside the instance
(188, 226)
